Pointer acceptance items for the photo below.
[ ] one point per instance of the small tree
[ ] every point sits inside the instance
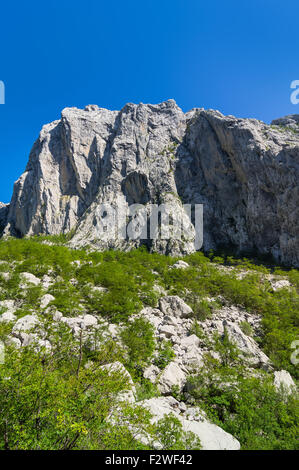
(139, 338)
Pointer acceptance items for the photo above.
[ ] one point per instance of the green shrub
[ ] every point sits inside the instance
(145, 389)
(227, 350)
(201, 309)
(246, 328)
(169, 431)
(197, 330)
(165, 354)
(67, 298)
(138, 337)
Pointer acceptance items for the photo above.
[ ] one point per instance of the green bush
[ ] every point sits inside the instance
(145, 389)
(169, 431)
(197, 330)
(138, 337)
(165, 354)
(227, 350)
(246, 328)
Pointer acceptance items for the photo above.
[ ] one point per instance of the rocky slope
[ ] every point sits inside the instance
(244, 172)
(64, 288)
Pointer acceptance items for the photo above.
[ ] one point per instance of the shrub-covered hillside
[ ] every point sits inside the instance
(137, 350)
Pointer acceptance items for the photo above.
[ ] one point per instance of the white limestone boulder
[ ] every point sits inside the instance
(173, 305)
(25, 324)
(283, 380)
(180, 265)
(172, 376)
(212, 437)
(127, 395)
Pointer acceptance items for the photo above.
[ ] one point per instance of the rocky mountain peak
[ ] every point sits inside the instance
(243, 172)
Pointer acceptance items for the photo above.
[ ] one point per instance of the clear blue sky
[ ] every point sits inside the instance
(236, 56)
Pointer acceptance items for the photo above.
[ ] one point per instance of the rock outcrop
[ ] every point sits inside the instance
(192, 419)
(4, 208)
(244, 172)
(283, 379)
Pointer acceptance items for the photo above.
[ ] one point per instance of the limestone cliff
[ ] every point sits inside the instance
(244, 172)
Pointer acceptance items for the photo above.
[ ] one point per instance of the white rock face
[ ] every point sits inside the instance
(47, 281)
(235, 315)
(81, 322)
(172, 376)
(8, 304)
(128, 395)
(167, 330)
(211, 436)
(174, 305)
(57, 316)
(151, 373)
(246, 345)
(171, 323)
(25, 323)
(12, 341)
(4, 208)
(190, 342)
(283, 379)
(5, 276)
(243, 171)
(72, 322)
(28, 339)
(113, 330)
(88, 320)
